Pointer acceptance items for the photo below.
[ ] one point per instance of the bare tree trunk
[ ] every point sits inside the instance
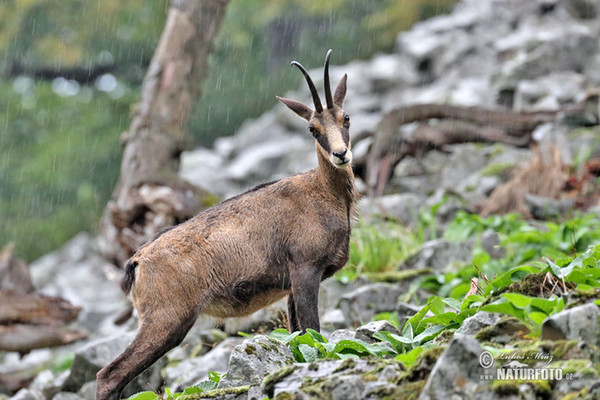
(150, 195)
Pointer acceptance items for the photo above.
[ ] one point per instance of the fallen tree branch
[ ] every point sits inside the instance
(441, 125)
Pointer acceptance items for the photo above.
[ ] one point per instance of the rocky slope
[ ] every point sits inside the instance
(502, 54)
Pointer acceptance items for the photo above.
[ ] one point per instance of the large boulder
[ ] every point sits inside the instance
(578, 323)
(456, 374)
(252, 360)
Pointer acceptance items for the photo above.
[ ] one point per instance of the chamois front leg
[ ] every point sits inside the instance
(305, 297)
(292, 319)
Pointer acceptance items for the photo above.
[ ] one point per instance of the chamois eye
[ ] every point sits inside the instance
(313, 130)
(346, 121)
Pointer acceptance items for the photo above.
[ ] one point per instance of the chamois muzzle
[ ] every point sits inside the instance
(341, 158)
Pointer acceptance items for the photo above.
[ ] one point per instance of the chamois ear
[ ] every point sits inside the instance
(340, 92)
(302, 110)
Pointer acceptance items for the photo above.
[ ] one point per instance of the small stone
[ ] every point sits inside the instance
(341, 334)
(367, 331)
(334, 318)
(475, 323)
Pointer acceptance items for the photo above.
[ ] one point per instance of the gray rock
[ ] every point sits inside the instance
(578, 323)
(365, 302)
(458, 363)
(545, 207)
(333, 319)
(347, 388)
(540, 50)
(465, 160)
(204, 168)
(440, 255)
(191, 371)
(26, 394)
(198, 341)
(46, 385)
(490, 242)
(584, 9)
(406, 310)
(367, 331)
(92, 357)
(402, 207)
(341, 334)
(78, 265)
(475, 323)
(67, 396)
(88, 391)
(335, 379)
(252, 360)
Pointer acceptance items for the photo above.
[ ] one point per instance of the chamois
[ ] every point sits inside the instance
(278, 239)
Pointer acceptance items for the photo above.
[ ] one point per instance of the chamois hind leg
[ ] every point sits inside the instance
(156, 335)
(305, 296)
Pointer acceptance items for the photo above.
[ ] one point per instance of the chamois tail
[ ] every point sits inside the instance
(129, 278)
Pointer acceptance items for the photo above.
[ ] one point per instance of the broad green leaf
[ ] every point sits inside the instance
(461, 316)
(442, 319)
(518, 300)
(471, 300)
(397, 342)
(415, 320)
(283, 335)
(453, 303)
(316, 335)
(504, 307)
(350, 346)
(410, 357)
(207, 385)
(191, 390)
(537, 317)
(148, 395)
(436, 305)
(309, 353)
(429, 333)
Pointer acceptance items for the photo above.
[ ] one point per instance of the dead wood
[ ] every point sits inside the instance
(543, 176)
(31, 321)
(14, 273)
(35, 309)
(441, 125)
(150, 194)
(24, 338)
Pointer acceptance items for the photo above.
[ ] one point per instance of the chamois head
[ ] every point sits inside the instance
(329, 126)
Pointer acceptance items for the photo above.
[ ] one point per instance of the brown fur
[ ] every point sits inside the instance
(279, 239)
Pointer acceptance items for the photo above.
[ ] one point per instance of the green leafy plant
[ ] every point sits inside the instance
(312, 346)
(213, 381)
(377, 247)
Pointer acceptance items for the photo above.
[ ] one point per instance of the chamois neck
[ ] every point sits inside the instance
(339, 181)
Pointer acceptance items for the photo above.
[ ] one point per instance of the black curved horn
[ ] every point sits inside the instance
(311, 86)
(328, 97)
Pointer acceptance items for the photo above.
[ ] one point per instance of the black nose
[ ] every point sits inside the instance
(340, 155)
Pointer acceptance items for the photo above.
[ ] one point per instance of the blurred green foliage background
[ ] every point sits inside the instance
(70, 73)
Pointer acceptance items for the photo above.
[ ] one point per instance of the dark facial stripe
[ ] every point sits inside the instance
(346, 136)
(324, 142)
